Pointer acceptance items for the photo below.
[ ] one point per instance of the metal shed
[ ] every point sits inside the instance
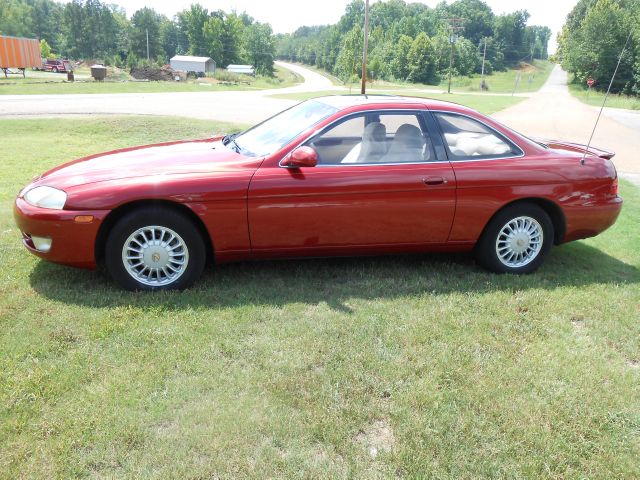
(246, 69)
(187, 63)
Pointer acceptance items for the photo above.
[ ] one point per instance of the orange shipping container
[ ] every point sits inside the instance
(19, 52)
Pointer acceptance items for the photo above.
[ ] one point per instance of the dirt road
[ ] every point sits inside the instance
(553, 113)
(231, 106)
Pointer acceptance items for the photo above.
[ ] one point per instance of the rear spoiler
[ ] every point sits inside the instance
(577, 147)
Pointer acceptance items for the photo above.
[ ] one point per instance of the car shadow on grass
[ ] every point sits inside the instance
(334, 281)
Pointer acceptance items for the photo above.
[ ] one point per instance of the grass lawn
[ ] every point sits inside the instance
(409, 367)
(595, 98)
(532, 77)
(483, 103)
(37, 86)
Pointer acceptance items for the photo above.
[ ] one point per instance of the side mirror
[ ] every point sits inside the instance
(300, 157)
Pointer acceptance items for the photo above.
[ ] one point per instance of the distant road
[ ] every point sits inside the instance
(554, 114)
(249, 106)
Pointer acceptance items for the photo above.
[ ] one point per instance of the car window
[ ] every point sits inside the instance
(277, 131)
(467, 138)
(374, 137)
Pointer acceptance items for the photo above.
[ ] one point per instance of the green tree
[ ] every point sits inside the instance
(146, 20)
(169, 37)
(509, 34)
(46, 17)
(591, 47)
(478, 18)
(15, 18)
(400, 64)
(421, 60)
(349, 61)
(191, 23)
(260, 47)
(234, 37)
(45, 49)
(213, 32)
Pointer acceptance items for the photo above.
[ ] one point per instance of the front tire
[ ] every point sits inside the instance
(155, 249)
(516, 240)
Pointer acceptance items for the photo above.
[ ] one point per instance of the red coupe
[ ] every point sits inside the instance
(339, 175)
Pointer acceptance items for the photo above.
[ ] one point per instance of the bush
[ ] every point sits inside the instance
(225, 76)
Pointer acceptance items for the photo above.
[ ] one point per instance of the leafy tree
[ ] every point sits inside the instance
(46, 16)
(592, 41)
(213, 32)
(144, 21)
(400, 64)
(260, 47)
(192, 23)
(509, 31)
(478, 18)
(15, 18)
(420, 59)
(170, 37)
(45, 49)
(233, 36)
(349, 61)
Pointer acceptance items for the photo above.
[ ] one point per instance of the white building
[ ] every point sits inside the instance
(187, 63)
(246, 69)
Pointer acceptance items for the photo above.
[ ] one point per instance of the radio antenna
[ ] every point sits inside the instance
(605, 98)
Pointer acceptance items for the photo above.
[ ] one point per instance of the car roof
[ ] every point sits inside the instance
(342, 102)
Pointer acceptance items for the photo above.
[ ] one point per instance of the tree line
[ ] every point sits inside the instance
(91, 29)
(410, 41)
(592, 40)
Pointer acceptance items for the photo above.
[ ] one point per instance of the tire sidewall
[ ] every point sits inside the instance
(159, 217)
(485, 250)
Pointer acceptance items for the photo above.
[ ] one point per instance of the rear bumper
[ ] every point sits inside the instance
(65, 241)
(589, 220)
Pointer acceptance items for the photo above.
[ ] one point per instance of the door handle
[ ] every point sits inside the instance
(434, 180)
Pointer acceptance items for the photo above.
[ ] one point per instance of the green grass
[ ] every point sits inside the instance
(532, 77)
(595, 98)
(37, 86)
(296, 369)
(483, 103)
(499, 82)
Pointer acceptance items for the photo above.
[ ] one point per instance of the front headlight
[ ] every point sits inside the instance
(46, 197)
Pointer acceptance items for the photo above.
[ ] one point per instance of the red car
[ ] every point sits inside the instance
(339, 175)
(56, 66)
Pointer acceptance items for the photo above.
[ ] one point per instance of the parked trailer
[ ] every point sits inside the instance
(20, 53)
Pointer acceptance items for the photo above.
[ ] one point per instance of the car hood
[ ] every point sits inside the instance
(175, 158)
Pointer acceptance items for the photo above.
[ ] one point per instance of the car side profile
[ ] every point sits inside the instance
(337, 175)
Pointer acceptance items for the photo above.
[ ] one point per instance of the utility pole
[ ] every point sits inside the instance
(484, 56)
(363, 88)
(146, 30)
(455, 24)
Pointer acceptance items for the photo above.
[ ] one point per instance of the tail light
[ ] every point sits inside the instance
(614, 187)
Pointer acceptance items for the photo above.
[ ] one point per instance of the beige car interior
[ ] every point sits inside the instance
(408, 145)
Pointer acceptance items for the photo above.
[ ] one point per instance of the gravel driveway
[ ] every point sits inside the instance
(553, 113)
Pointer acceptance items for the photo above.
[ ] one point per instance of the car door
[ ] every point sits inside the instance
(376, 200)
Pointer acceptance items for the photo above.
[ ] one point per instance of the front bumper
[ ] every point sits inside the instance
(69, 242)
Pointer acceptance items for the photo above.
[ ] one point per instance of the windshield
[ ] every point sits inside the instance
(274, 133)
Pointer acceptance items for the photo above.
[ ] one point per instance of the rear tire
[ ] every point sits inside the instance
(516, 240)
(155, 248)
(55, 69)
